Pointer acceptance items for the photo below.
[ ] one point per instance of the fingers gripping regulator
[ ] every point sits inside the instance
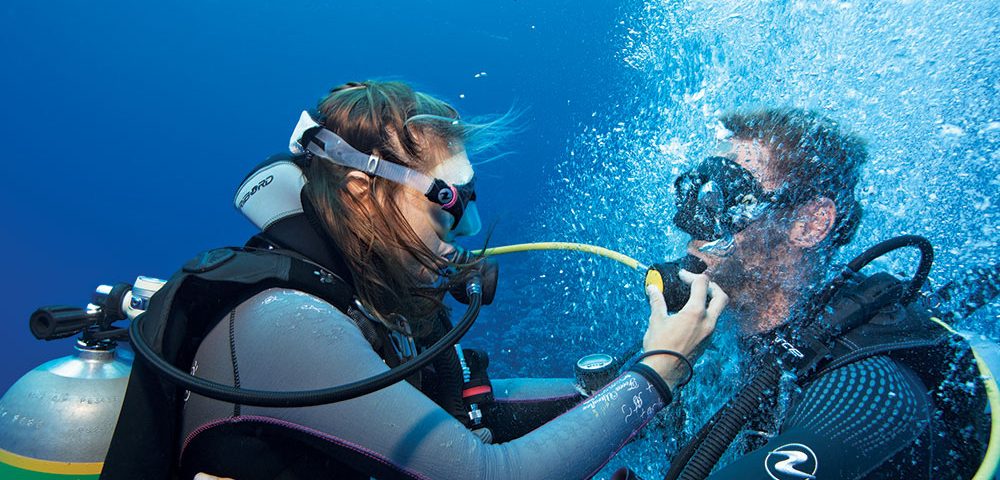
(666, 276)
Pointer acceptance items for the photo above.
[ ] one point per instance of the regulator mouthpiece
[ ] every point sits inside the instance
(488, 276)
(666, 276)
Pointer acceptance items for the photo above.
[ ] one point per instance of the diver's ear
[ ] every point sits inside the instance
(357, 183)
(813, 222)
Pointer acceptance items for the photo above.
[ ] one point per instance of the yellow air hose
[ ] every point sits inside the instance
(992, 458)
(578, 247)
(990, 462)
(652, 276)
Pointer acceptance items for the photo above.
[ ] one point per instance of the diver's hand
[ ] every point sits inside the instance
(685, 331)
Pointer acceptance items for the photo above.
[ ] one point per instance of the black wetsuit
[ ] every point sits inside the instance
(287, 340)
(876, 417)
(860, 421)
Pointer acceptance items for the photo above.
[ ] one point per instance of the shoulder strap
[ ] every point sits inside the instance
(903, 333)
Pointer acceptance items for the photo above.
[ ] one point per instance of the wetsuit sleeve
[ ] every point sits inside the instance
(285, 340)
(848, 423)
(524, 404)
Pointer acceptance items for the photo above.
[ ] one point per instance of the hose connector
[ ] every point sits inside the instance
(474, 286)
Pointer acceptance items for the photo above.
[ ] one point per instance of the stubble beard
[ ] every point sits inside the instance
(757, 276)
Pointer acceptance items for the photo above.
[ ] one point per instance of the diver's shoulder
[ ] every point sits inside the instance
(288, 310)
(289, 298)
(892, 378)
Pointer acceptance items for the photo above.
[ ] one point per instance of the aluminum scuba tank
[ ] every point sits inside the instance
(56, 422)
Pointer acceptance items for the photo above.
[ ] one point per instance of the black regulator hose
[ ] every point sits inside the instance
(881, 249)
(698, 458)
(307, 398)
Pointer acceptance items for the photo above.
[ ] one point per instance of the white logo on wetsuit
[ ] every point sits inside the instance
(791, 462)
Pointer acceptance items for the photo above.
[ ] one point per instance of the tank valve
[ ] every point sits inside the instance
(108, 305)
(60, 321)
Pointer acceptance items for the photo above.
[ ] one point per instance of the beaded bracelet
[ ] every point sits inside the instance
(674, 354)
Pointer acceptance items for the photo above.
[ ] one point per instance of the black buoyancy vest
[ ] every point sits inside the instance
(194, 300)
(904, 333)
(943, 361)
(946, 366)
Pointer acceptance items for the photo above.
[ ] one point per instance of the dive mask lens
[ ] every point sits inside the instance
(691, 216)
(717, 199)
(710, 196)
(470, 224)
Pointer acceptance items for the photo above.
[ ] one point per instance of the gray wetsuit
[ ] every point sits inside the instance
(287, 340)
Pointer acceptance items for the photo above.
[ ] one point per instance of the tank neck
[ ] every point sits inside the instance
(85, 352)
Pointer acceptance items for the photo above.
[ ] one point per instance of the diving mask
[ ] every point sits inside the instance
(463, 208)
(311, 138)
(718, 199)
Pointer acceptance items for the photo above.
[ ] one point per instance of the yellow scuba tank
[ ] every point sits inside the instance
(56, 422)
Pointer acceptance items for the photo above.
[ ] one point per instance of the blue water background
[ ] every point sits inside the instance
(126, 127)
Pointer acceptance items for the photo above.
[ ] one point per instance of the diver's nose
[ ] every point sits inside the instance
(470, 223)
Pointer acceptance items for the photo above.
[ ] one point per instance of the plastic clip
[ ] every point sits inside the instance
(372, 164)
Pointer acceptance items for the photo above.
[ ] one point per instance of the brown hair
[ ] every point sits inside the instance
(405, 127)
(813, 155)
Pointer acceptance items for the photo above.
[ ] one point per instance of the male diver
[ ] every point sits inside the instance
(896, 397)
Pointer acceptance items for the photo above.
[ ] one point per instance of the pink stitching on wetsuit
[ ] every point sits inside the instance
(316, 433)
(537, 400)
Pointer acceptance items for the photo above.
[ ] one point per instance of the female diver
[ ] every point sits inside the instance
(392, 245)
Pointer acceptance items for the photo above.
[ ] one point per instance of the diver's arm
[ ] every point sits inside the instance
(853, 419)
(524, 404)
(515, 390)
(286, 340)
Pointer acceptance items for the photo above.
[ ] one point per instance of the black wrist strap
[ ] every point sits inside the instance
(672, 353)
(654, 379)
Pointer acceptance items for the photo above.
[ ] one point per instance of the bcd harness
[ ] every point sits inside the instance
(875, 323)
(200, 295)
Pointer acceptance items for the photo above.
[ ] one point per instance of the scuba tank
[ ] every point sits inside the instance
(58, 419)
(60, 416)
